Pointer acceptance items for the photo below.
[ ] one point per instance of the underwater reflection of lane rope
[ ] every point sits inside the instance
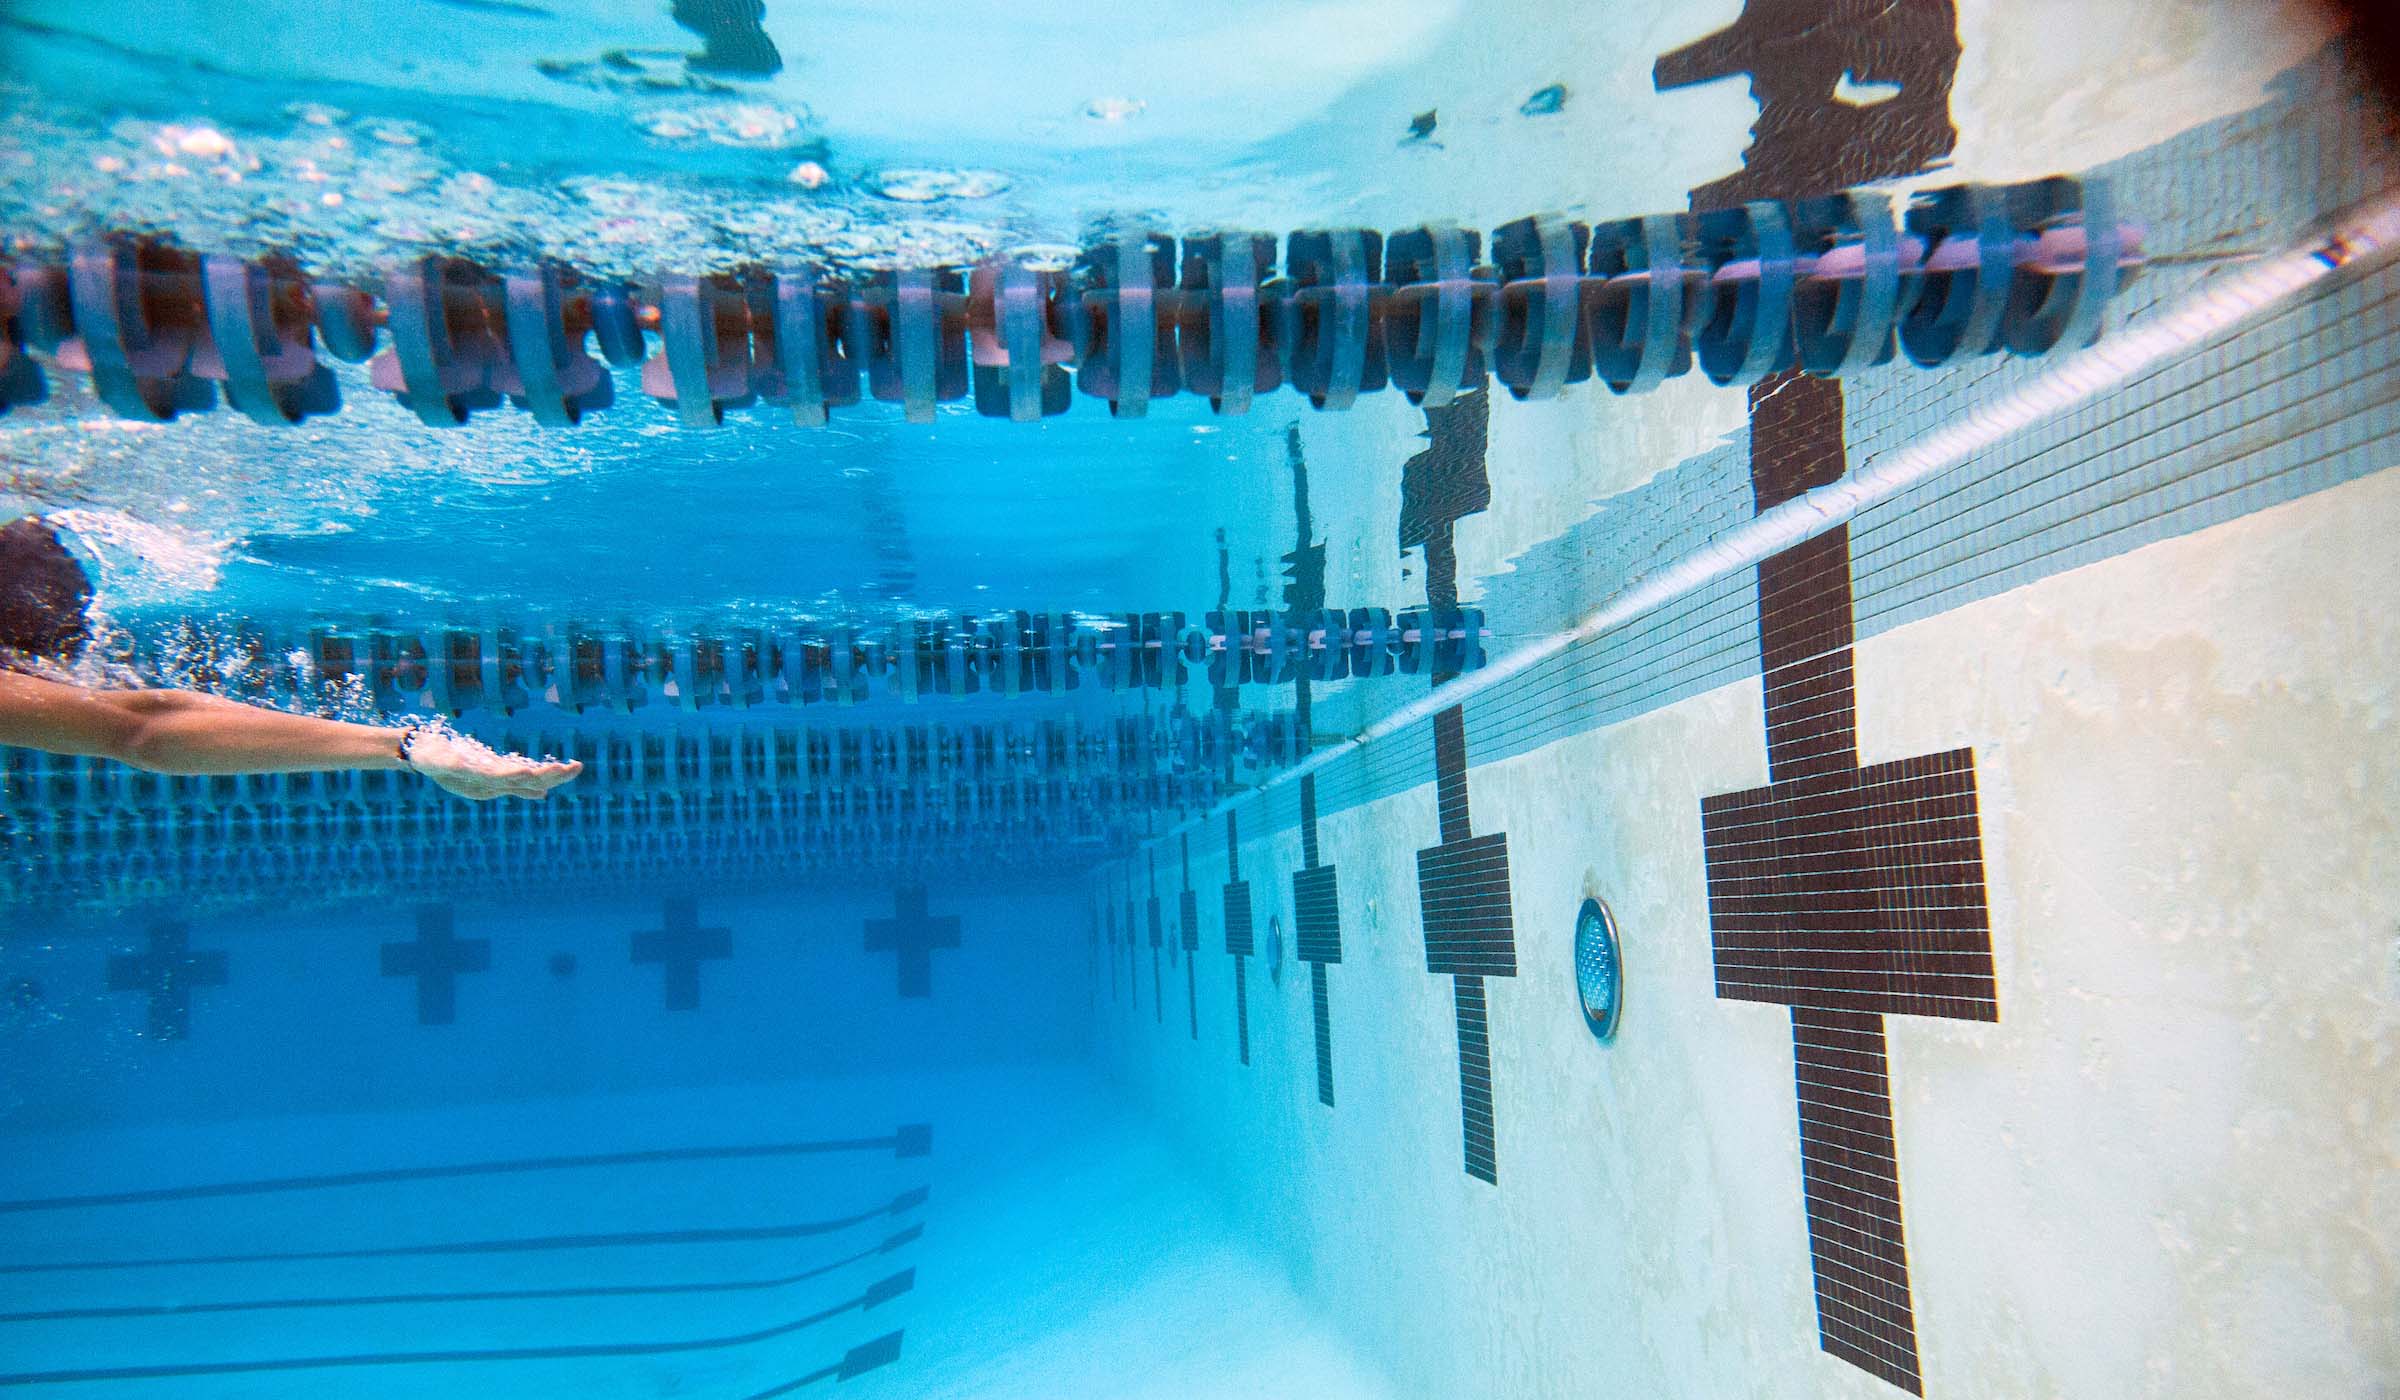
(661, 806)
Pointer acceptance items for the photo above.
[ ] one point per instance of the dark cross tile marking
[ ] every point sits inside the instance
(1848, 894)
(1857, 891)
(1317, 931)
(1158, 939)
(913, 936)
(1845, 893)
(1107, 915)
(1115, 942)
(167, 973)
(1133, 946)
(1462, 888)
(1462, 884)
(1304, 593)
(1225, 700)
(1240, 936)
(1849, 1182)
(1187, 916)
(680, 947)
(1187, 912)
(436, 958)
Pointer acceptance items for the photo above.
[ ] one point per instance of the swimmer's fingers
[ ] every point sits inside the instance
(534, 780)
(550, 772)
(470, 770)
(537, 779)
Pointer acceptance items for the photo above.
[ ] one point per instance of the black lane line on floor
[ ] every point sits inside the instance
(798, 1383)
(892, 1245)
(880, 1292)
(906, 1200)
(912, 1140)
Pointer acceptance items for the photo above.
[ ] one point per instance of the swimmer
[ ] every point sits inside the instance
(44, 601)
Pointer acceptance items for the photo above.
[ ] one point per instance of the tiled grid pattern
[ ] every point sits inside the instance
(1850, 1177)
(436, 958)
(912, 936)
(1829, 899)
(1858, 891)
(1158, 940)
(2299, 401)
(1304, 593)
(1478, 1129)
(1317, 915)
(2292, 404)
(2295, 403)
(1133, 946)
(1317, 931)
(1462, 890)
(1109, 917)
(1187, 923)
(1464, 886)
(679, 947)
(1241, 1009)
(1320, 1002)
(1843, 893)
(1240, 935)
(1794, 891)
(167, 972)
(1450, 774)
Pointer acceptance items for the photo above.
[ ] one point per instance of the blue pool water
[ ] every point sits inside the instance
(1078, 890)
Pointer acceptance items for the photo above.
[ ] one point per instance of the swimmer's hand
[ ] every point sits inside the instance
(463, 766)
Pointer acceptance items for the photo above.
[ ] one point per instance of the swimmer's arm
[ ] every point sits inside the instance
(181, 732)
(178, 731)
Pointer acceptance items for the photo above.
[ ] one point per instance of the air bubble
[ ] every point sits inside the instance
(754, 125)
(924, 186)
(1046, 257)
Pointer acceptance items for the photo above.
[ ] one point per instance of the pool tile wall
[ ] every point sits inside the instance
(2189, 566)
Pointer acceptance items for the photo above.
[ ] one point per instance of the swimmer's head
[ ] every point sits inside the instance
(45, 596)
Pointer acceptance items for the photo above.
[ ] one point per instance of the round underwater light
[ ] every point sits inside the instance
(1599, 977)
